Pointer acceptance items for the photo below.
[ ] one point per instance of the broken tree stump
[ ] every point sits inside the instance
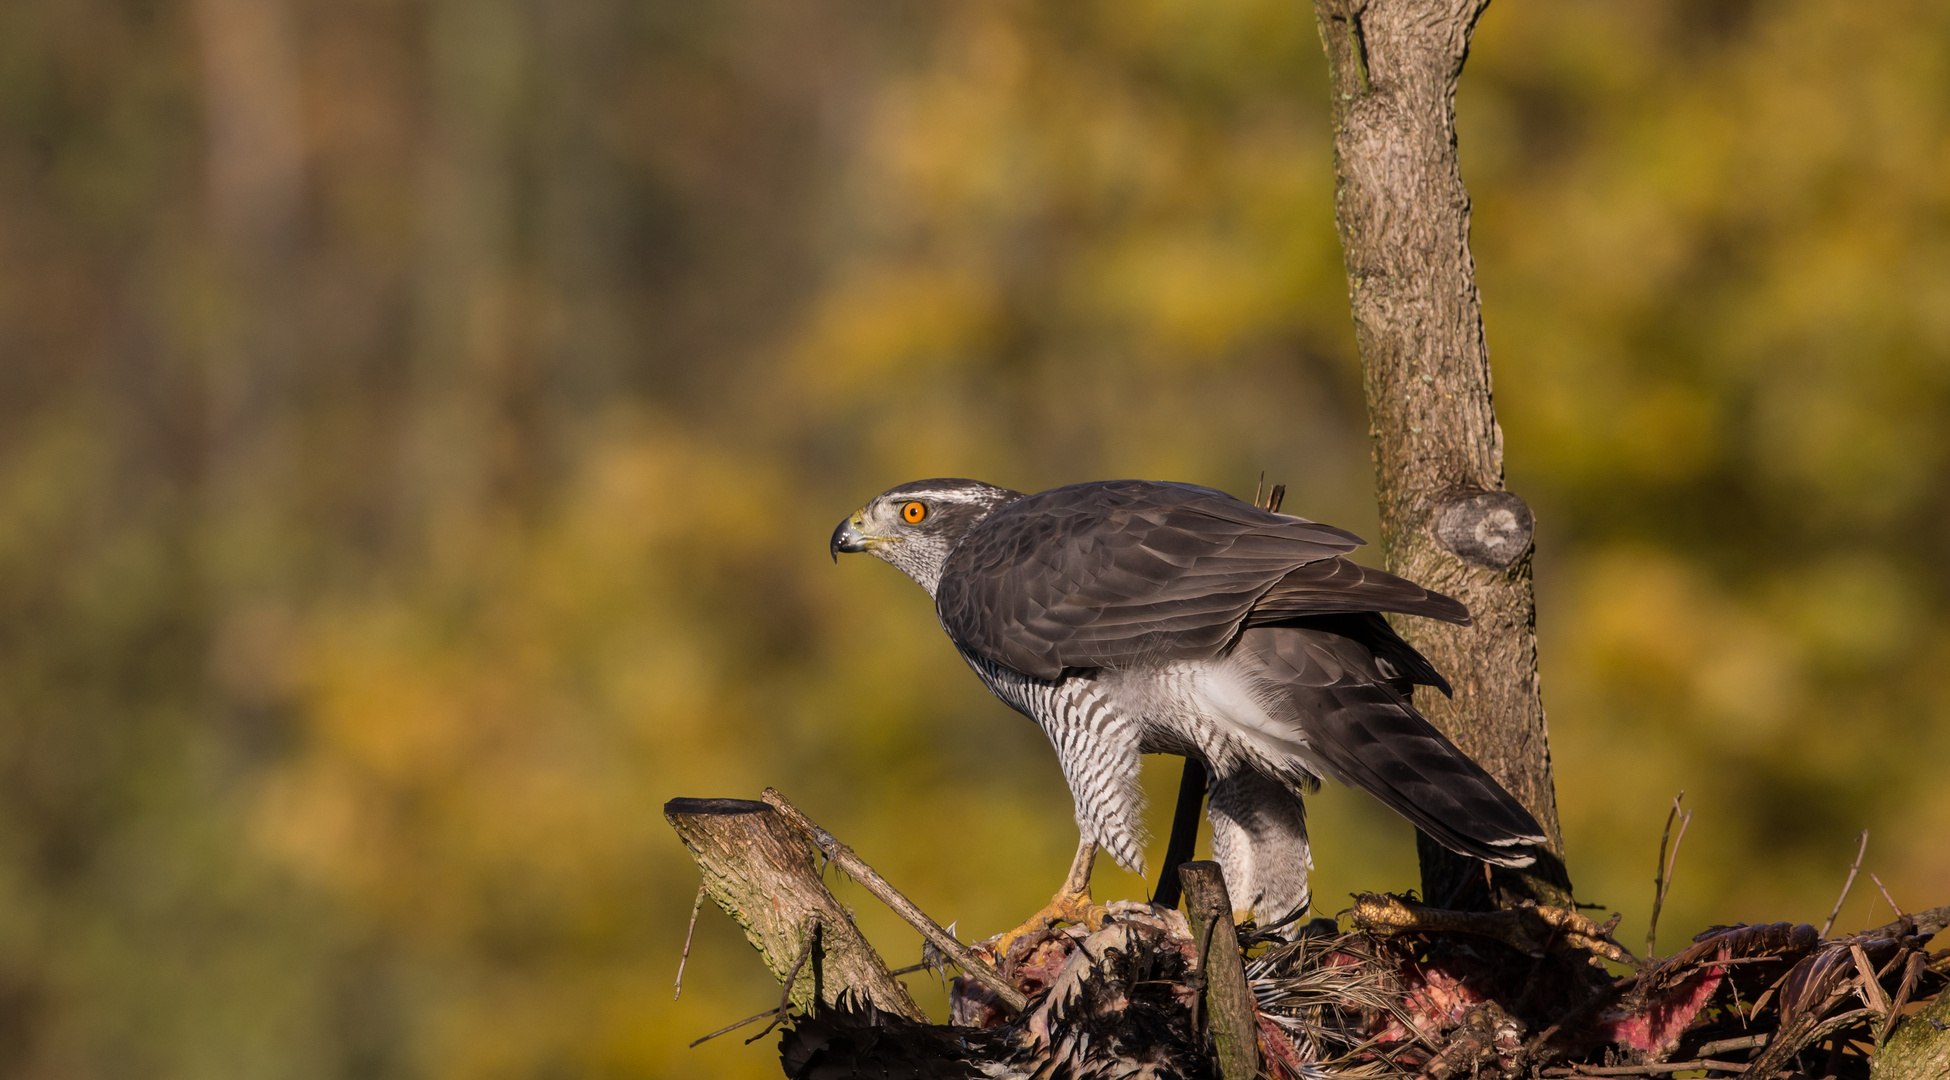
(856, 868)
(759, 869)
(1222, 971)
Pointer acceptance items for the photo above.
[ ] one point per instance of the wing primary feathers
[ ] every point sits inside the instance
(1370, 735)
(1340, 584)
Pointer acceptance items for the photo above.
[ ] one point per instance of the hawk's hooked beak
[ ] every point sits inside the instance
(848, 538)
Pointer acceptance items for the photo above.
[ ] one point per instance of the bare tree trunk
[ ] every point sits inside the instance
(1446, 523)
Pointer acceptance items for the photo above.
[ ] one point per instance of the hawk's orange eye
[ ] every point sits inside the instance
(913, 512)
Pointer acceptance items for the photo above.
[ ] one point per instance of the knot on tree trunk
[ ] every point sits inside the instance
(1490, 529)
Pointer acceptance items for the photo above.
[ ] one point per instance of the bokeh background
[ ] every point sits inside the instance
(421, 422)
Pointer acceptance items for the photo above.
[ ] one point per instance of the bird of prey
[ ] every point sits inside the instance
(1128, 617)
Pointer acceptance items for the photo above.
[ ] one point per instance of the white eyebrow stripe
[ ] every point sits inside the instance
(949, 494)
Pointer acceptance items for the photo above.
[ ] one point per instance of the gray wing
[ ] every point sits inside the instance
(1341, 585)
(1109, 573)
(1370, 735)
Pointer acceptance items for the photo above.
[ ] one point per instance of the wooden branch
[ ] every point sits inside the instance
(1923, 923)
(689, 933)
(1803, 1033)
(1721, 1046)
(1884, 890)
(1446, 522)
(1854, 869)
(857, 869)
(759, 869)
(1662, 873)
(1222, 970)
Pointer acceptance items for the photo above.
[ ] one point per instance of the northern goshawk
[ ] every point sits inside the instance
(1128, 617)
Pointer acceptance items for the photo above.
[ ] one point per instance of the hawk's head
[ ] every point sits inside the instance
(915, 526)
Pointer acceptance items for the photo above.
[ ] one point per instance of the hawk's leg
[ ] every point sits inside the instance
(1097, 747)
(1076, 887)
(1259, 838)
(1071, 904)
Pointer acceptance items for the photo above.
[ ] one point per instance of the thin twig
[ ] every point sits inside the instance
(686, 958)
(1745, 1042)
(1847, 885)
(1673, 862)
(856, 868)
(777, 1012)
(695, 1043)
(1885, 894)
(1662, 873)
(785, 996)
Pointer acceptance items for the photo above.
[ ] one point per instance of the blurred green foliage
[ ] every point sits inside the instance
(421, 422)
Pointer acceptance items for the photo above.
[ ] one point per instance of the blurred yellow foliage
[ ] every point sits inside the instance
(421, 424)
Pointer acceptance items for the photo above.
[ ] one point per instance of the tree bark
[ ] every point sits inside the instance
(867, 878)
(1446, 523)
(759, 869)
(1228, 998)
(1920, 1047)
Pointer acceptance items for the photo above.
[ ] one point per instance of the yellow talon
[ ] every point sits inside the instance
(1071, 904)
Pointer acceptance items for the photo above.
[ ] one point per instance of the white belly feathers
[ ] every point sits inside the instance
(1228, 714)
